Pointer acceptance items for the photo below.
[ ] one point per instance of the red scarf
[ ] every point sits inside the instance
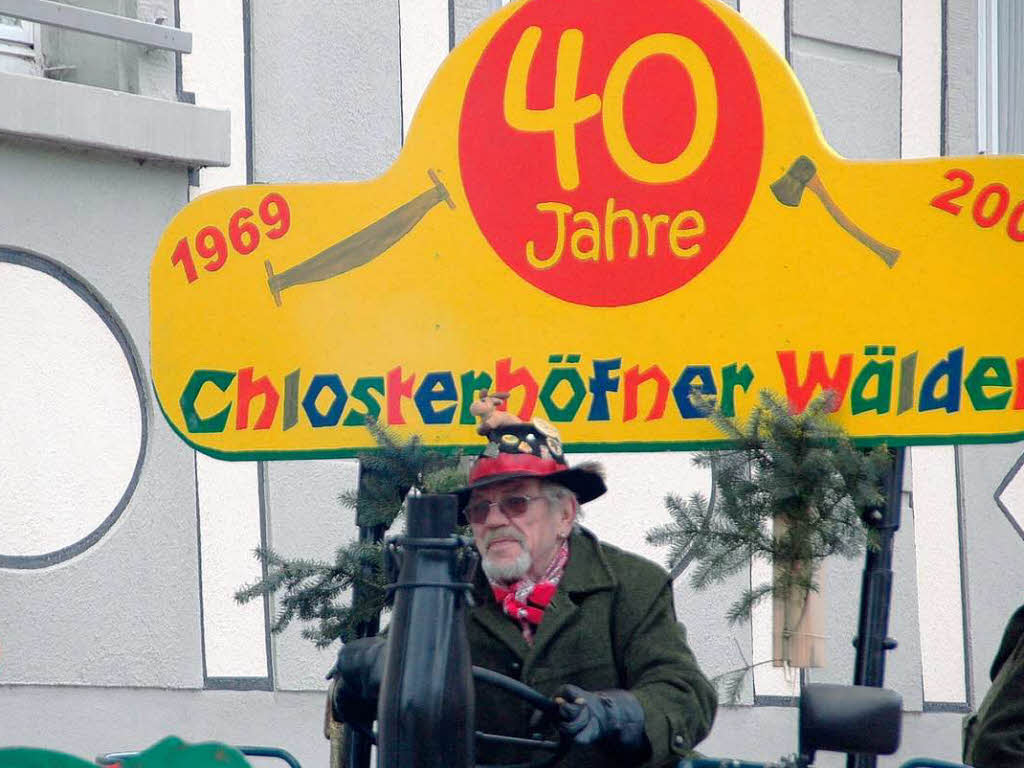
(525, 600)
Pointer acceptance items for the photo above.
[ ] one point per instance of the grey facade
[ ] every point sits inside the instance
(106, 650)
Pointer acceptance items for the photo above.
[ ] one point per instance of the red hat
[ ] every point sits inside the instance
(531, 449)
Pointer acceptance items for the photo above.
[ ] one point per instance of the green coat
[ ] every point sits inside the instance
(994, 735)
(611, 624)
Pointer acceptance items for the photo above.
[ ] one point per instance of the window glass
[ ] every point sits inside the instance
(14, 30)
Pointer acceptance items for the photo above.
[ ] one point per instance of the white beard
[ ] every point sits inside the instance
(505, 571)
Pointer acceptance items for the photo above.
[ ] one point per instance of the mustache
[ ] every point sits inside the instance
(506, 532)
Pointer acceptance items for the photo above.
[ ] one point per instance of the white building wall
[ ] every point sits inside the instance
(141, 622)
(230, 521)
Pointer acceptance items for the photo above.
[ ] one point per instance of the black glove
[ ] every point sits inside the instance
(357, 674)
(613, 719)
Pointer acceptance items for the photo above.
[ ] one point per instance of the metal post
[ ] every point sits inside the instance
(425, 713)
(872, 640)
(357, 746)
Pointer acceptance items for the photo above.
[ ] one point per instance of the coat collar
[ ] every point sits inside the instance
(587, 571)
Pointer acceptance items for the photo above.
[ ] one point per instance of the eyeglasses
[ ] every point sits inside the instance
(511, 506)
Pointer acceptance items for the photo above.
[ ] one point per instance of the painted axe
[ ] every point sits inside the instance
(804, 174)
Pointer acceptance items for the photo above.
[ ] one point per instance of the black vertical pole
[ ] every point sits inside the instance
(872, 640)
(425, 713)
(357, 746)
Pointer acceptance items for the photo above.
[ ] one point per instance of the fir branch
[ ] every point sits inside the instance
(730, 684)
(800, 468)
(690, 519)
(741, 609)
(315, 592)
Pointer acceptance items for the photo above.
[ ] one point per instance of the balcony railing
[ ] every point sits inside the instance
(98, 23)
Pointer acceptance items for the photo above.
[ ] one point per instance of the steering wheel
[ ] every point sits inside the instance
(520, 690)
(539, 702)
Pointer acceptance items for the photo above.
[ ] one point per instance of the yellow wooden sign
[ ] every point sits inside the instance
(601, 206)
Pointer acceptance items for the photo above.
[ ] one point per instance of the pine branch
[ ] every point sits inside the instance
(314, 592)
(691, 518)
(731, 685)
(799, 468)
(731, 682)
(743, 607)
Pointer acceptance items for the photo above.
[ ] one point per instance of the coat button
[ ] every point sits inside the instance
(677, 741)
(516, 666)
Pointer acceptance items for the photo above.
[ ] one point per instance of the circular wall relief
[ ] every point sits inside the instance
(72, 410)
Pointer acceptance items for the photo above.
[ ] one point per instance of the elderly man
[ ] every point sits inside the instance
(571, 616)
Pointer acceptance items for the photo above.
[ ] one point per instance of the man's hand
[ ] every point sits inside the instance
(612, 718)
(357, 674)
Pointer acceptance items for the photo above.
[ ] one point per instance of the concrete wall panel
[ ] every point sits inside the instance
(961, 77)
(769, 732)
(124, 611)
(121, 621)
(994, 553)
(306, 520)
(326, 89)
(855, 96)
(873, 25)
(107, 720)
(469, 14)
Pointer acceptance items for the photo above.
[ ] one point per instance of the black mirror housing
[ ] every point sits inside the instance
(849, 718)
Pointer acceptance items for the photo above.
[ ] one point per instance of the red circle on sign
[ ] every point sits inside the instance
(662, 232)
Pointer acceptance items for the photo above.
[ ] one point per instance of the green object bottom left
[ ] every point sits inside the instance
(171, 752)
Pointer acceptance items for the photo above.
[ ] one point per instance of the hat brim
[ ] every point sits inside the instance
(585, 480)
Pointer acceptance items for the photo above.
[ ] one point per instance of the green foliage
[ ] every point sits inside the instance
(730, 685)
(694, 515)
(800, 468)
(390, 472)
(313, 591)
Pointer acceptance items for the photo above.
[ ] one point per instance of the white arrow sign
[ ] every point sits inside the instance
(1010, 496)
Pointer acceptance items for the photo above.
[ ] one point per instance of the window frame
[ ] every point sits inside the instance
(988, 77)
